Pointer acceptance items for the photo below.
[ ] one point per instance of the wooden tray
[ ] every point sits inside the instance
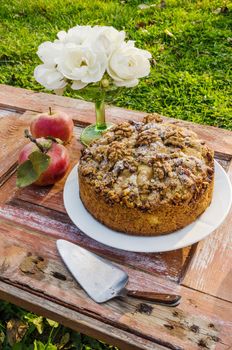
(33, 276)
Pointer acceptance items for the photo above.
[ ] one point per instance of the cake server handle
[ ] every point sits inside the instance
(157, 298)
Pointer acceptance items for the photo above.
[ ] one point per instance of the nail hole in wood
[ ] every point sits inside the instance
(211, 325)
(202, 343)
(169, 326)
(215, 338)
(59, 276)
(175, 314)
(144, 308)
(194, 328)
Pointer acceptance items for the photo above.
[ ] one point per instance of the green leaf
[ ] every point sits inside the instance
(40, 161)
(64, 340)
(38, 345)
(37, 321)
(29, 171)
(52, 323)
(26, 174)
(77, 340)
(16, 329)
(166, 31)
(51, 347)
(2, 337)
(17, 346)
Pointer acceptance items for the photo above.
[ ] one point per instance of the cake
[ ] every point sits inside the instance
(146, 178)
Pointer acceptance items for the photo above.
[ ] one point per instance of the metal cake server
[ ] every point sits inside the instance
(103, 280)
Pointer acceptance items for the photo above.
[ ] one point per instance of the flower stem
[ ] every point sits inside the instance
(50, 110)
(100, 114)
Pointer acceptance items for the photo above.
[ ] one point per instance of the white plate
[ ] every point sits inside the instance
(199, 229)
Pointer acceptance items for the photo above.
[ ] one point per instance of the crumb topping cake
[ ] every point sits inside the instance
(146, 178)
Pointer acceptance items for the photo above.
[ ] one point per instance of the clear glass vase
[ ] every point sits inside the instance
(94, 131)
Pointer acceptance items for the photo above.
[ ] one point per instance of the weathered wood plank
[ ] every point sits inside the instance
(74, 320)
(29, 261)
(8, 189)
(12, 140)
(210, 269)
(7, 113)
(83, 113)
(169, 265)
(35, 241)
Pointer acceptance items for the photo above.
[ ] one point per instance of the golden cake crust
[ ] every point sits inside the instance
(147, 178)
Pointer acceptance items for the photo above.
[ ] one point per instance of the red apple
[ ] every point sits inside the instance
(55, 124)
(59, 161)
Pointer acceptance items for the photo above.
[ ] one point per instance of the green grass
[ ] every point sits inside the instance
(192, 77)
(191, 80)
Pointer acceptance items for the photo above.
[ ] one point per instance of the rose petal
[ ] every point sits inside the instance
(77, 85)
(49, 77)
(127, 83)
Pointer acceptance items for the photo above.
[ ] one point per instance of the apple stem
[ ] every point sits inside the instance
(32, 139)
(50, 110)
(54, 139)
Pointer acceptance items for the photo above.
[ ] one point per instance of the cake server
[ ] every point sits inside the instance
(103, 280)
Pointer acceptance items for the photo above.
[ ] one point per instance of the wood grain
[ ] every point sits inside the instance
(26, 262)
(8, 189)
(83, 113)
(75, 320)
(168, 265)
(12, 126)
(210, 270)
(7, 113)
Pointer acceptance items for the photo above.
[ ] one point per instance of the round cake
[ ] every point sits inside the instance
(146, 178)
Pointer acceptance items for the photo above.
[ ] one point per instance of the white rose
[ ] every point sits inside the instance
(48, 52)
(127, 64)
(49, 77)
(108, 38)
(77, 35)
(82, 64)
(101, 37)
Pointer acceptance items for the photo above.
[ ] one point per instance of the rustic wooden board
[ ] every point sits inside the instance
(169, 265)
(32, 274)
(210, 269)
(27, 262)
(12, 125)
